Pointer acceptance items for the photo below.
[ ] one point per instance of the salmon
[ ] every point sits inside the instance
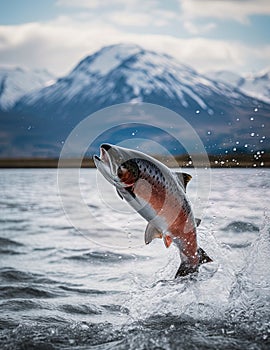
(159, 196)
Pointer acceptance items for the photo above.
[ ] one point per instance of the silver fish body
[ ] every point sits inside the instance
(159, 196)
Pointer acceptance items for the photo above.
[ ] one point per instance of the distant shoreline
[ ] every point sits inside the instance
(224, 161)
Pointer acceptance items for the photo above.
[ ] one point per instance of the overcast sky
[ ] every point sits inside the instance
(207, 34)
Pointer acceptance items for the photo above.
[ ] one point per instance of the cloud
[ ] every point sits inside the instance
(237, 10)
(125, 18)
(196, 29)
(137, 13)
(58, 45)
(92, 4)
(98, 4)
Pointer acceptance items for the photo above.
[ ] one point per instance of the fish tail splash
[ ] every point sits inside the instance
(185, 268)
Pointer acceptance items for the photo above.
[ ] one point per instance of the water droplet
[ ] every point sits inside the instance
(208, 132)
(262, 163)
(197, 111)
(237, 119)
(29, 127)
(256, 109)
(84, 327)
(246, 145)
(234, 149)
(252, 134)
(237, 142)
(251, 118)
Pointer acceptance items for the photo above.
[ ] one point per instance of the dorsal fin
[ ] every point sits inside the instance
(198, 221)
(150, 233)
(184, 178)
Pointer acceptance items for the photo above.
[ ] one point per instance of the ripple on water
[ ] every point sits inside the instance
(81, 309)
(10, 247)
(241, 226)
(159, 332)
(25, 291)
(100, 257)
(21, 304)
(10, 274)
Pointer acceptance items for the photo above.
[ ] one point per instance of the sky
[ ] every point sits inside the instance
(209, 35)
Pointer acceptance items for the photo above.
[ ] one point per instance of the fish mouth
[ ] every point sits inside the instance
(106, 163)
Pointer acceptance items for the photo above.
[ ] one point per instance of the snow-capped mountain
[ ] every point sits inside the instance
(254, 85)
(128, 73)
(16, 82)
(122, 73)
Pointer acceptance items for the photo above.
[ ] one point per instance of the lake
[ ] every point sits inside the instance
(81, 277)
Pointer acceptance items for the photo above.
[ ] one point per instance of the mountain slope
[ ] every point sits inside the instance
(254, 85)
(127, 73)
(16, 82)
(121, 73)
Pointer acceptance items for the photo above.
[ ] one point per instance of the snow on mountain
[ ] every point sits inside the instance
(225, 76)
(122, 73)
(254, 85)
(257, 86)
(219, 112)
(107, 59)
(16, 82)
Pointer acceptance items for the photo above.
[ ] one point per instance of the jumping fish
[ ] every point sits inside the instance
(159, 196)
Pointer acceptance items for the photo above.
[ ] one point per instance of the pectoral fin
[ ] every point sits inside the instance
(167, 241)
(150, 233)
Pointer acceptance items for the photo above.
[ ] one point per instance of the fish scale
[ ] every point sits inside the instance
(159, 196)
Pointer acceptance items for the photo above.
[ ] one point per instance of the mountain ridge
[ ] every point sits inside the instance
(220, 113)
(254, 85)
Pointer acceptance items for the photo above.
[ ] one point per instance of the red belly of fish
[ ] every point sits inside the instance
(186, 232)
(169, 208)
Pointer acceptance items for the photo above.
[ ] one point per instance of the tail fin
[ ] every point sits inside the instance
(203, 257)
(185, 269)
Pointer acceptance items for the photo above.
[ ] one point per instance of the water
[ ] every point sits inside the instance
(60, 290)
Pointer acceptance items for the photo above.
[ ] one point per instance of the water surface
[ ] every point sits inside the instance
(59, 289)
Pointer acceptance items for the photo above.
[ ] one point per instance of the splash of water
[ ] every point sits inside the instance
(221, 292)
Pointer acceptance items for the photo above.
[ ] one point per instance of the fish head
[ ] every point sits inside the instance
(118, 165)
